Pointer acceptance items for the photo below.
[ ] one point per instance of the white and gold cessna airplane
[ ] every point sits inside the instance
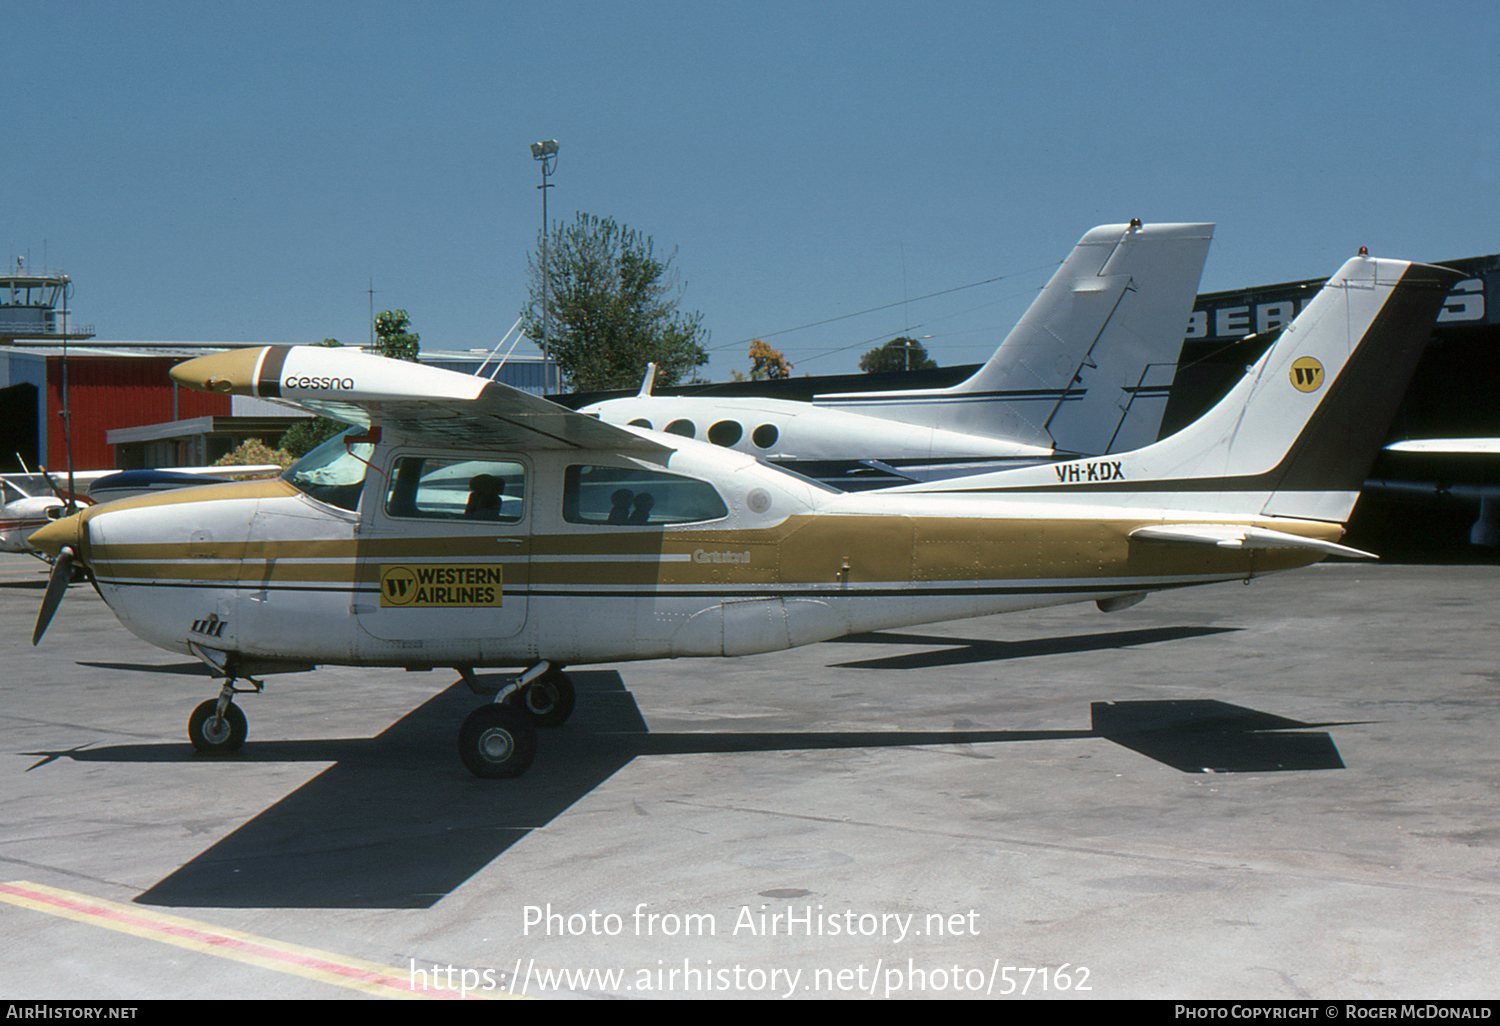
(471, 525)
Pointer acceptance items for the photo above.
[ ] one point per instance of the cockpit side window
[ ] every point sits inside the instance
(630, 496)
(332, 473)
(437, 488)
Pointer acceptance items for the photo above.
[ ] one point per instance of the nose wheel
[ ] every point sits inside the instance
(215, 733)
(218, 726)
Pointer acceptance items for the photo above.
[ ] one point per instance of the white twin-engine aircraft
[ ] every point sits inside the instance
(471, 525)
(1085, 371)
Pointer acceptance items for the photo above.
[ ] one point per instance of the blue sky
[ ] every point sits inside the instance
(242, 171)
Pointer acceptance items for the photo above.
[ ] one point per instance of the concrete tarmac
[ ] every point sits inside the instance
(1287, 790)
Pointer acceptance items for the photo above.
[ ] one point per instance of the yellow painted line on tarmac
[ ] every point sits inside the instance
(309, 963)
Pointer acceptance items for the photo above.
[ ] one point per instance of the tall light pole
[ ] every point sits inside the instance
(546, 154)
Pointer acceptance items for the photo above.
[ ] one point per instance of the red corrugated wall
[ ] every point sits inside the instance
(107, 392)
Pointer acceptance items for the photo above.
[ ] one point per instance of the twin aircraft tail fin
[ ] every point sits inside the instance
(1082, 355)
(1106, 332)
(1296, 436)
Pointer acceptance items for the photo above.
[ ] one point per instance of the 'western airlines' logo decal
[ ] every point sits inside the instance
(1307, 374)
(426, 586)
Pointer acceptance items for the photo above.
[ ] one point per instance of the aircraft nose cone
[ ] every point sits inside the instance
(58, 534)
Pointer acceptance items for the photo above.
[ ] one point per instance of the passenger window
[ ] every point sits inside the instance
(641, 422)
(629, 496)
(685, 428)
(726, 433)
(765, 436)
(446, 489)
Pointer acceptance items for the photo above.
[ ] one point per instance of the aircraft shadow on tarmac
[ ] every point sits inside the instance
(397, 823)
(958, 651)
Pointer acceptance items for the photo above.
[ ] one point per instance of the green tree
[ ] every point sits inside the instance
(614, 308)
(899, 354)
(305, 435)
(391, 337)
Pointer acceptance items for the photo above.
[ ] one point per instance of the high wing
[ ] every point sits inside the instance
(425, 402)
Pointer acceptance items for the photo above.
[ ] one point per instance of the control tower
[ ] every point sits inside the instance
(34, 306)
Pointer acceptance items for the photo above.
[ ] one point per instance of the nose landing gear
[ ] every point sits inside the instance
(218, 726)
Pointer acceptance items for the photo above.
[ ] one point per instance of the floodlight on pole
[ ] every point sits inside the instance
(546, 154)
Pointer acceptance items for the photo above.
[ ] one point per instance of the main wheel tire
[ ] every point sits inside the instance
(550, 698)
(219, 737)
(497, 741)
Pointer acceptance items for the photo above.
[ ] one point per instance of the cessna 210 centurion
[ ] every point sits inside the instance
(472, 525)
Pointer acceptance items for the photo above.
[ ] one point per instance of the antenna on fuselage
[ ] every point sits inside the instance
(647, 381)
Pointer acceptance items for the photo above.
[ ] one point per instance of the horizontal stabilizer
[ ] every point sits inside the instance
(1231, 536)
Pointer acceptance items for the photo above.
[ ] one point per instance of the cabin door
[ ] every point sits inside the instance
(448, 546)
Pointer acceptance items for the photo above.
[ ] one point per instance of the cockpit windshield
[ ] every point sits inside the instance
(333, 472)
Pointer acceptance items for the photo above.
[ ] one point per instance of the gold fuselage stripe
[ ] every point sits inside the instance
(848, 550)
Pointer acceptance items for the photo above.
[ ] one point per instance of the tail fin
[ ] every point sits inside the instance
(1297, 435)
(1076, 363)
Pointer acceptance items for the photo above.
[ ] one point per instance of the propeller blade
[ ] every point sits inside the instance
(70, 502)
(57, 584)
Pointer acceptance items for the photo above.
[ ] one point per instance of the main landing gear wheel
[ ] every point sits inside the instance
(497, 741)
(549, 699)
(213, 734)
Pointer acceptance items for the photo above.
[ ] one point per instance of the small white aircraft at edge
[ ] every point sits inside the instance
(1084, 372)
(471, 525)
(27, 502)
